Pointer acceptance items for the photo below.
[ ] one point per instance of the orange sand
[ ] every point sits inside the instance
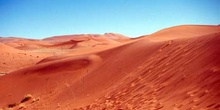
(177, 68)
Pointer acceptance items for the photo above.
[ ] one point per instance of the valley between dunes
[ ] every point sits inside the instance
(177, 68)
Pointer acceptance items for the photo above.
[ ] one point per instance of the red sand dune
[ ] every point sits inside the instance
(97, 37)
(13, 59)
(184, 31)
(174, 69)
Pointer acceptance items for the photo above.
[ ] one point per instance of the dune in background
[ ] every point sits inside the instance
(177, 68)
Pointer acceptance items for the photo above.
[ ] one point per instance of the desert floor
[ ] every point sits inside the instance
(177, 68)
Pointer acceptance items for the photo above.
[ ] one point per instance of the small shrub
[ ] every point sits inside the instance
(26, 98)
(12, 105)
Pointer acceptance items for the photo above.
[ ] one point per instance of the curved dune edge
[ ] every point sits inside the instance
(184, 31)
(40, 78)
(144, 73)
(12, 59)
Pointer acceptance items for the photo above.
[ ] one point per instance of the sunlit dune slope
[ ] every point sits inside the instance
(98, 37)
(24, 44)
(147, 73)
(12, 59)
(184, 31)
(17, 53)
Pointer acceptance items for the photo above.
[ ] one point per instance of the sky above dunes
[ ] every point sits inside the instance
(44, 18)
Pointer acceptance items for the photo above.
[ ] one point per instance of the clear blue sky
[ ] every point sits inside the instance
(45, 18)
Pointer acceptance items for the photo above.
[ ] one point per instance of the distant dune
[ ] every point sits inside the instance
(177, 68)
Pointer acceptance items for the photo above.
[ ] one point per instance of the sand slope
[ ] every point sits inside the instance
(12, 59)
(184, 31)
(147, 73)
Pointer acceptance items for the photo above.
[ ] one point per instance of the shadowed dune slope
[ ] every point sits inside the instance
(169, 74)
(46, 77)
